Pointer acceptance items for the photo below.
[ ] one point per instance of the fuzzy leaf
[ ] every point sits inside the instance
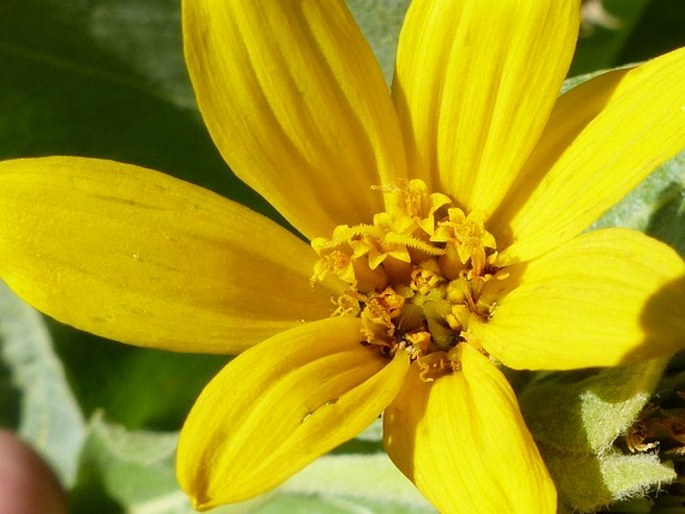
(381, 20)
(49, 417)
(581, 413)
(576, 417)
(588, 483)
(125, 471)
(132, 471)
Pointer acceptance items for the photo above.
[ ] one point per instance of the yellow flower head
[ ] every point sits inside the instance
(444, 220)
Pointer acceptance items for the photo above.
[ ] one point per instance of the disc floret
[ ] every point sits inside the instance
(414, 276)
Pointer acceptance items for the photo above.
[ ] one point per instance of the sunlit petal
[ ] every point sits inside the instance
(461, 439)
(297, 105)
(138, 256)
(571, 114)
(641, 126)
(605, 298)
(278, 406)
(474, 85)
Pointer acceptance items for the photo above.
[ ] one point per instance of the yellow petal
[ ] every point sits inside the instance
(280, 405)
(605, 298)
(297, 105)
(641, 126)
(474, 85)
(138, 256)
(463, 442)
(571, 114)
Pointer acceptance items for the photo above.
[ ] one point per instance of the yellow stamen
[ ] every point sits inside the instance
(415, 275)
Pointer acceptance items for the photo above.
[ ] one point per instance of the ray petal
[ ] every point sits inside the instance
(280, 405)
(462, 440)
(606, 298)
(297, 105)
(474, 85)
(138, 256)
(641, 125)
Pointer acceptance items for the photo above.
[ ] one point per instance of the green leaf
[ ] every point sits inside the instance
(49, 417)
(600, 45)
(349, 484)
(132, 471)
(106, 78)
(137, 387)
(123, 471)
(589, 409)
(659, 30)
(380, 21)
(576, 417)
(586, 483)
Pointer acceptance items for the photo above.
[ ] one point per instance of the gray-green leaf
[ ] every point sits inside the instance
(49, 417)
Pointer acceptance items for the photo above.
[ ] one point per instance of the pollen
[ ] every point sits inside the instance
(414, 276)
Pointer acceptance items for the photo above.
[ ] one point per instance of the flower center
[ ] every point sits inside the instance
(415, 276)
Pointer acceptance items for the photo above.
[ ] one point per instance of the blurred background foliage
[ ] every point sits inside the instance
(106, 78)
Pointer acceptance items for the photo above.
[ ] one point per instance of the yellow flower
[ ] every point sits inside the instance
(444, 219)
